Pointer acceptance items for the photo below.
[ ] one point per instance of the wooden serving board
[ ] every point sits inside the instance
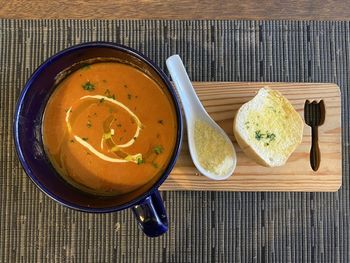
(222, 99)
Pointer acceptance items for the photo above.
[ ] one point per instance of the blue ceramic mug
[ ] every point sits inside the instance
(145, 202)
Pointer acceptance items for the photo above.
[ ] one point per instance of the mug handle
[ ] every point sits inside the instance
(151, 216)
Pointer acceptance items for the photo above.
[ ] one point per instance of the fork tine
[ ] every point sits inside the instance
(322, 111)
(315, 115)
(306, 111)
(311, 114)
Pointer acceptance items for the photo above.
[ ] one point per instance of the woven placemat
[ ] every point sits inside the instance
(204, 226)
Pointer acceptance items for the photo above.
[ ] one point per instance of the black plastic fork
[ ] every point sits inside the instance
(314, 115)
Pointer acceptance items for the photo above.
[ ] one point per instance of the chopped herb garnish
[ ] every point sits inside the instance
(161, 122)
(270, 136)
(72, 141)
(104, 81)
(89, 124)
(85, 139)
(88, 86)
(109, 95)
(135, 138)
(259, 135)
(139, 160)
(247, 122)
(102, 100)
(155, 165)
(129, 96)
(158, 149)
(111, 110)
(108, 135)
(119, 125)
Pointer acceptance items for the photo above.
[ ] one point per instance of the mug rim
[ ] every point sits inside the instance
(52, 59)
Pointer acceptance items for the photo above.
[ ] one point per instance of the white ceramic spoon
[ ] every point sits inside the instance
(194, 110)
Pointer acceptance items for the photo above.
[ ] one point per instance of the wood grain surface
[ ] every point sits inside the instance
(222, 100)
(181, 9)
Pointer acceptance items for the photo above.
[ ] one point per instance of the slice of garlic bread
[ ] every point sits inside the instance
(268, 128)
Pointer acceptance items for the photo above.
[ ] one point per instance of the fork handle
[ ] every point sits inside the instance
(315, 155)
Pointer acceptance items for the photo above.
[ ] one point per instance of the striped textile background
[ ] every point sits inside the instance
(204, 226)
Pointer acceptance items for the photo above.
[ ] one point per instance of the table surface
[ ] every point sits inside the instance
(181, 9)
(204, 226)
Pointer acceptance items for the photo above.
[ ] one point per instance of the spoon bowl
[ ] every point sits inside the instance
(194, 111)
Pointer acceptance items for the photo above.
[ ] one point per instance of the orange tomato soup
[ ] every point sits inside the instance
(109, 129)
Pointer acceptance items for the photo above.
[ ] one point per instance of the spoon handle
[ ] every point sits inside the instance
(190, 102)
